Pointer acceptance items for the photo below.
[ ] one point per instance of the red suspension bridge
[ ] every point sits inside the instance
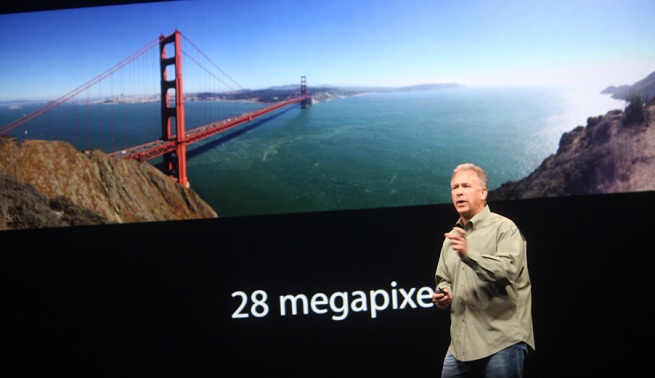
(172, 143)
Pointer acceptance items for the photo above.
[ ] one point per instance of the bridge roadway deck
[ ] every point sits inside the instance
(160, 147)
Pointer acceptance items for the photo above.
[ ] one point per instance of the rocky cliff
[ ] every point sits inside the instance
(51, 184)
(645, 87)
(608, 155)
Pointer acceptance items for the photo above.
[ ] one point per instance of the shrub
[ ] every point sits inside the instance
(634, 110)
(593, 121)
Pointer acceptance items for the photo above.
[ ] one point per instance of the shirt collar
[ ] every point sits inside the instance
(477, 218)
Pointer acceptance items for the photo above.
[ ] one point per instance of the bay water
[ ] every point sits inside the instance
(368, 151)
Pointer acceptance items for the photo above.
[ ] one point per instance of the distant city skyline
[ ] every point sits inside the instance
(582, 43)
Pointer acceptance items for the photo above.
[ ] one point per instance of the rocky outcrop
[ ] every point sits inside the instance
(606, 156)
(22, 206)
(69, 187)
(645, 87)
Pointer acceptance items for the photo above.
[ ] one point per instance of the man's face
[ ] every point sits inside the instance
(468, 197)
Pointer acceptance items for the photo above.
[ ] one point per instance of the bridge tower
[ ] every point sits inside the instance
(172, 107)
(303, 93)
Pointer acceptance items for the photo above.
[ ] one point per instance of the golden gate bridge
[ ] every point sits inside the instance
(172, 143)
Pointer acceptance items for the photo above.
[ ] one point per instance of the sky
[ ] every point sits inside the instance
(263, 43)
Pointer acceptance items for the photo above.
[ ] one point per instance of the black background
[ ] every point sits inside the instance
(156, 297)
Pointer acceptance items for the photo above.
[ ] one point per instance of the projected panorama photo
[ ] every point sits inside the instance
(202, 109)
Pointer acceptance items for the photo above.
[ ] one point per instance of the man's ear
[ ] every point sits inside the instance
(485, 191)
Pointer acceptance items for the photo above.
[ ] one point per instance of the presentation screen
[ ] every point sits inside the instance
(265, 108)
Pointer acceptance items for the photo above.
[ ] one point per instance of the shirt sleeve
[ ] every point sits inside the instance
(503, 267)
(442, 277)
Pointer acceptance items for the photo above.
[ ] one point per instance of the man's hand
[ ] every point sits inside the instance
(457, 239)
(442, 300)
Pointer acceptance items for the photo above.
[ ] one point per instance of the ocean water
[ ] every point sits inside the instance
(386, 150)
(368, 151)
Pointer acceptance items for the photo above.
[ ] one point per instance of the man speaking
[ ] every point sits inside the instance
(482, 276)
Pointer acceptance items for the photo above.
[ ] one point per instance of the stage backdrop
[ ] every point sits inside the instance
(316, 294)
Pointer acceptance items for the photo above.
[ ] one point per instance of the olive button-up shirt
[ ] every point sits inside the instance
(490, 288)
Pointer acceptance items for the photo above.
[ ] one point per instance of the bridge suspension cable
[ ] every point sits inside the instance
(241, 90)
(53, 104)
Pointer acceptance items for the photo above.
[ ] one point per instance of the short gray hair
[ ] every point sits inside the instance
(482, 175)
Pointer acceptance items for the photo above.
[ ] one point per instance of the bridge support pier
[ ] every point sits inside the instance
(172, 107)
(303, 93)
